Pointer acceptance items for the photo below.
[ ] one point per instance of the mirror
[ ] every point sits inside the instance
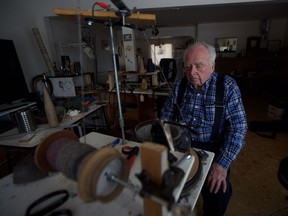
(224, 45)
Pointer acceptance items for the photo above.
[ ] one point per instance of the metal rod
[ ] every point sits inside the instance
(130, 186)
(133, 188)
(121, 121)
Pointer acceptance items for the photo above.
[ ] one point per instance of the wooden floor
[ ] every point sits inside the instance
(256, 189)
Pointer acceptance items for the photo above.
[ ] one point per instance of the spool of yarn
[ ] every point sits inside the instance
(61, 151)
(50, 110)
(140, 64)
(66, 155)
(144, 84)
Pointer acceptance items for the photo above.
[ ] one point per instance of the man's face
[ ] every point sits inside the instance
(197, 67)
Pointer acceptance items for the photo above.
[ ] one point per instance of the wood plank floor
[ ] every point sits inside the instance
(256, 189)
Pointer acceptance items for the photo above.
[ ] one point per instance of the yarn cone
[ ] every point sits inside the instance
(50, 109)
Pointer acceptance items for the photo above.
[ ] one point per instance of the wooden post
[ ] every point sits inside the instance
(154, 160)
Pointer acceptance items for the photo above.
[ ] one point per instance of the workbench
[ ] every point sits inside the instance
(15, 199)
(12, 137)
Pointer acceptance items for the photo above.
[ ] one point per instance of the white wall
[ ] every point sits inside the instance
(63, 39)
(17, 18)
(241, 30)
(66, 31)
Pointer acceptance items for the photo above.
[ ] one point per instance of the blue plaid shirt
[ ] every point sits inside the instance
(197, 110)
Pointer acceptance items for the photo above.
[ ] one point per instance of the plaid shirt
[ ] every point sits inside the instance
(197, 110)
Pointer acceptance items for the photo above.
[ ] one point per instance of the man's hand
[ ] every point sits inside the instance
(217, 178)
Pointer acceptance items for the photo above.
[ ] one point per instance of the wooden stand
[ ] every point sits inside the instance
(154, 159)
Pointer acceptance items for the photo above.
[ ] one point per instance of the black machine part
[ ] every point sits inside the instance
(170, 180)
(182, 144)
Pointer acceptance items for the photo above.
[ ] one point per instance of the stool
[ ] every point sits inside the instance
(103, 118)
(283, 179)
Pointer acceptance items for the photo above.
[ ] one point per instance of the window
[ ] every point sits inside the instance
(161, 51)
(226, 44)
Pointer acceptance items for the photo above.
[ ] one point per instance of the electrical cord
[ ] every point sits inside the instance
(47, 208)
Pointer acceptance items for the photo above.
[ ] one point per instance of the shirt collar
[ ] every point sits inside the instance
(205, 86)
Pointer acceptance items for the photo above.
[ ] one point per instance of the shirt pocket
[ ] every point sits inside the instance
(208, 116)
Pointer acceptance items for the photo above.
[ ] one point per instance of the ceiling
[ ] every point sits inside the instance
(193, 15)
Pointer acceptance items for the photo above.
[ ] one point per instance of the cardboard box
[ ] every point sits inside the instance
(275, 111)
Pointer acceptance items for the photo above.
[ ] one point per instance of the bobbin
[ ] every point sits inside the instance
(93, 184)
(41, 150)
(91, 171)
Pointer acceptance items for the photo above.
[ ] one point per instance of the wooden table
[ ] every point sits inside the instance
(15, 199)
(13, 138)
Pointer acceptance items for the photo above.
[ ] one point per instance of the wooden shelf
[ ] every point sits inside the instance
(152, 75)
(134, 18)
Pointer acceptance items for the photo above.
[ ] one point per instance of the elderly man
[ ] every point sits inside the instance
(215, 113)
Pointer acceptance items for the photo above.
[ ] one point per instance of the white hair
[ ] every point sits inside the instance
(210, 48)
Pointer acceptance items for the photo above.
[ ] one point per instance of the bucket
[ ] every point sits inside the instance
(143, 131)
(25, 121)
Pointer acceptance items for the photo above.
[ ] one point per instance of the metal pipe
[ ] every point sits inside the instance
(121, 121)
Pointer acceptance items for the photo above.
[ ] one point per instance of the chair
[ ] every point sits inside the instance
(168, 69)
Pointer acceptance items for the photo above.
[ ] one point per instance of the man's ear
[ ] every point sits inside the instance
(213, 66)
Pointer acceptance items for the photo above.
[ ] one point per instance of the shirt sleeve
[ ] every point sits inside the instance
(167, 110)
(235, 125)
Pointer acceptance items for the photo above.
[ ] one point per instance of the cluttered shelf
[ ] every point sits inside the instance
(16, 145)
(142, 79)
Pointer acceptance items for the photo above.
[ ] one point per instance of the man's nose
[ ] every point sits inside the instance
(192, 70)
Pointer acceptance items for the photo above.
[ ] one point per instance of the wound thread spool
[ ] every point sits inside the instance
(66, 155)
(61, 151)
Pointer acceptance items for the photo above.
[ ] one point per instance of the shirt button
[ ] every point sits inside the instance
(196, 107)
(194, 119)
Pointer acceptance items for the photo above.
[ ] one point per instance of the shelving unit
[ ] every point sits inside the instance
(152, 77)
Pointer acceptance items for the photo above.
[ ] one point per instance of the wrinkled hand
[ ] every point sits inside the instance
(217, 178)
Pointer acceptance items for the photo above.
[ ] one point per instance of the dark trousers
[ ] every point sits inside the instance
(216, 204)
